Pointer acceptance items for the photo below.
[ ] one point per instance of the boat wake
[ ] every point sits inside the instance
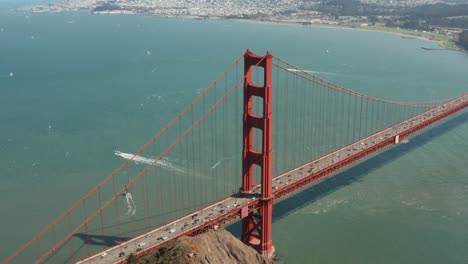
(165, 164)
(10, 75)
(312, 72)
(131, 208)
(216, 164)
(219, 162)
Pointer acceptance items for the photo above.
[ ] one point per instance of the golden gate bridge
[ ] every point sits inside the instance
(263, 130)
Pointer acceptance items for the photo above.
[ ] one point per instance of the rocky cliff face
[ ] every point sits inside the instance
(212, 247)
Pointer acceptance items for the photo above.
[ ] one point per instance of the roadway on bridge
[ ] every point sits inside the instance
(215, 215)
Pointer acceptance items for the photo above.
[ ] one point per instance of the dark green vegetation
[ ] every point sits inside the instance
(441, 18)
(210, 247)
(438, 10)
(166, 255)
(351, 8)
(442, 15)
(108, 6)
(463, 39)
(423, 17)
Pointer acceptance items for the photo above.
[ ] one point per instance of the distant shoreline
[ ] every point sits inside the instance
(443, 41)
(393, 31)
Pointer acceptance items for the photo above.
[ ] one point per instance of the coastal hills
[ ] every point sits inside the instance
(211, 247)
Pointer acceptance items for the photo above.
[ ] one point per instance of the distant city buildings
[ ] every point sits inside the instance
(213, 8)
(364, 13)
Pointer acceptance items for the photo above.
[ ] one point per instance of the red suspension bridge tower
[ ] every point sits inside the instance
(256, 225)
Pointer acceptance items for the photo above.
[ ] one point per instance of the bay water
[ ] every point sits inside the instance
(74, 87)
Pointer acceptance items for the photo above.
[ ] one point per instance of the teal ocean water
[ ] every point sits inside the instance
(84, 85)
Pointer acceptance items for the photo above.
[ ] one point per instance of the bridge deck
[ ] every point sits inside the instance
(229, 209)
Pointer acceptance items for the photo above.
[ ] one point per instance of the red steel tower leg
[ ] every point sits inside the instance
(256, 225)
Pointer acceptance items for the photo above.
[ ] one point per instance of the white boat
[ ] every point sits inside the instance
(11, 74)
(161, 163)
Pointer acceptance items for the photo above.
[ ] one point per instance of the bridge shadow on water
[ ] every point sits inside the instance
(100, 240)
(289, 205)
(90, 240)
